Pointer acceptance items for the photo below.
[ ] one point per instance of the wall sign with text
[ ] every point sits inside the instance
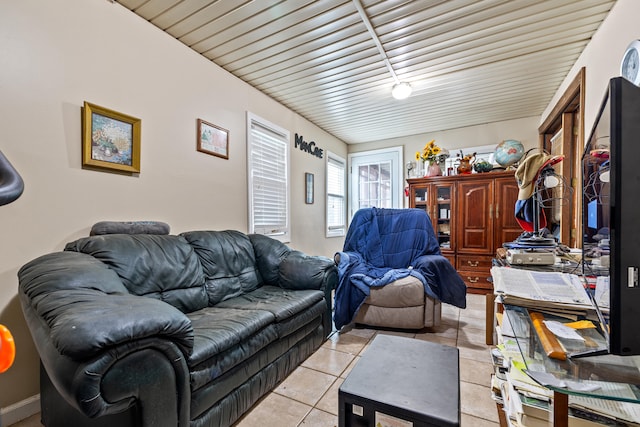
(309, 147)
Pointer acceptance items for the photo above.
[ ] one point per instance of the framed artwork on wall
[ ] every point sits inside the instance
(110, 140)
(213, 139)
(308, 188)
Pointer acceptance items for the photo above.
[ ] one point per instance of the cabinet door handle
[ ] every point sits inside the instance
(474, 280)
(490, 211)
(497, 211)
(472, 264)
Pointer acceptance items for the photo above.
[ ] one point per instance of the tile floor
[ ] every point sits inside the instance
(309, 396)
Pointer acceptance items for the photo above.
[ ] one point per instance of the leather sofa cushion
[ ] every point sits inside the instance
(282, 303)
(269, 254)
(228, 261)
(218, 350)
(146, 264)
(292, 324)
(253, 378)
(246, 325)
(129, 227)
(231, 328)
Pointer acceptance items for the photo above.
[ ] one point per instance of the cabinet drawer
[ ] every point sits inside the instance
(476, 279)
(473, 262)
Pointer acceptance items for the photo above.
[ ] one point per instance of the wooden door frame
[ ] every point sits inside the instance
(562, 118)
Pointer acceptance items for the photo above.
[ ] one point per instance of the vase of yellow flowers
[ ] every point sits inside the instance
(432, 156)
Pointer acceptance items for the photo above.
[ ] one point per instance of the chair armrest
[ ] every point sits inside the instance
(443, 280)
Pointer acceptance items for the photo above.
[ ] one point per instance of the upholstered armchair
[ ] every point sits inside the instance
(391, 272)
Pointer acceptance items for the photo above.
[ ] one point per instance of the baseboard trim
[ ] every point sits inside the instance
(20, 410)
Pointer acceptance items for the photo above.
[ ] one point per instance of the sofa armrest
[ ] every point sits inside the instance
(86, 309)
(282, 266)
(103, 349)
(300, 271)
(150, 374)
(319, 273)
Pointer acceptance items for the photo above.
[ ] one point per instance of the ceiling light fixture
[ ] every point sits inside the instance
(401, 90)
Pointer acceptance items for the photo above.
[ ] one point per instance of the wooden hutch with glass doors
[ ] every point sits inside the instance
(472, 215)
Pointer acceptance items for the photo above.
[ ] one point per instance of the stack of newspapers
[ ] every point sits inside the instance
(561, 293)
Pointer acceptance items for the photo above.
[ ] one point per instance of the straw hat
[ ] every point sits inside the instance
(528, 170)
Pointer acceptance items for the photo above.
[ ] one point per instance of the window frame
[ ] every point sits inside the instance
(281, 233)
(332, 230)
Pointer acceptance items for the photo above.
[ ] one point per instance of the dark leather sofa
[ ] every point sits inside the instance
(171, 330)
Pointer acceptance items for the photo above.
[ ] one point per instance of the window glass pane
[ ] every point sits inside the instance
(335, 177)
(374, 172)
(336, 196)
(335, 211)
(268, 169)
(375, 185)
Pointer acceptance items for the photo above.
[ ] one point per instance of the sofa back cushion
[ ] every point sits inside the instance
(157, 266)
(228, 261)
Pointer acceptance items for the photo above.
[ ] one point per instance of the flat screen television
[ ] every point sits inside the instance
(611, 211)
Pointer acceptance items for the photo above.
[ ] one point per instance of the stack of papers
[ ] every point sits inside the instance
(562, 305)
(544, 291)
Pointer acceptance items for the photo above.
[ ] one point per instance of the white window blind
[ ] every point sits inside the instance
(268, 160)
(336, 196)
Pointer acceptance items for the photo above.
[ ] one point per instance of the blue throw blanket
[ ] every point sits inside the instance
(383, 245)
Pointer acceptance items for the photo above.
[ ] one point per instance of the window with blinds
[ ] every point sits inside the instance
(336, 196)
(268, 165)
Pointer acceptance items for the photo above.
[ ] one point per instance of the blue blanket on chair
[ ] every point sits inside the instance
(383, 245)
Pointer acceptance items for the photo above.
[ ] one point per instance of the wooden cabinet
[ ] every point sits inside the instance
(507, 228)
(473, 215)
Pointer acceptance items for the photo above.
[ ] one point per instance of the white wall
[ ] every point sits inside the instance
(524, 130)
(54, 55)
(602, 57)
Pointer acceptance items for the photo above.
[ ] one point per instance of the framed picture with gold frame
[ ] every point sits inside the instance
(110, 140)
(213, 139)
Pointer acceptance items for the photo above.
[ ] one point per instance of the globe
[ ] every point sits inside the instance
(509, 152)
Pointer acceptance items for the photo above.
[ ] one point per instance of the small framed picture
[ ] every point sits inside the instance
(308, 188)
(110, 140)
(213, 139)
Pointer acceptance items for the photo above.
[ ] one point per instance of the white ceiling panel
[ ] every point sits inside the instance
(469, 62)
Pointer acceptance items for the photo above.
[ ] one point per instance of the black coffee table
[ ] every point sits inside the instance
(402, 382)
